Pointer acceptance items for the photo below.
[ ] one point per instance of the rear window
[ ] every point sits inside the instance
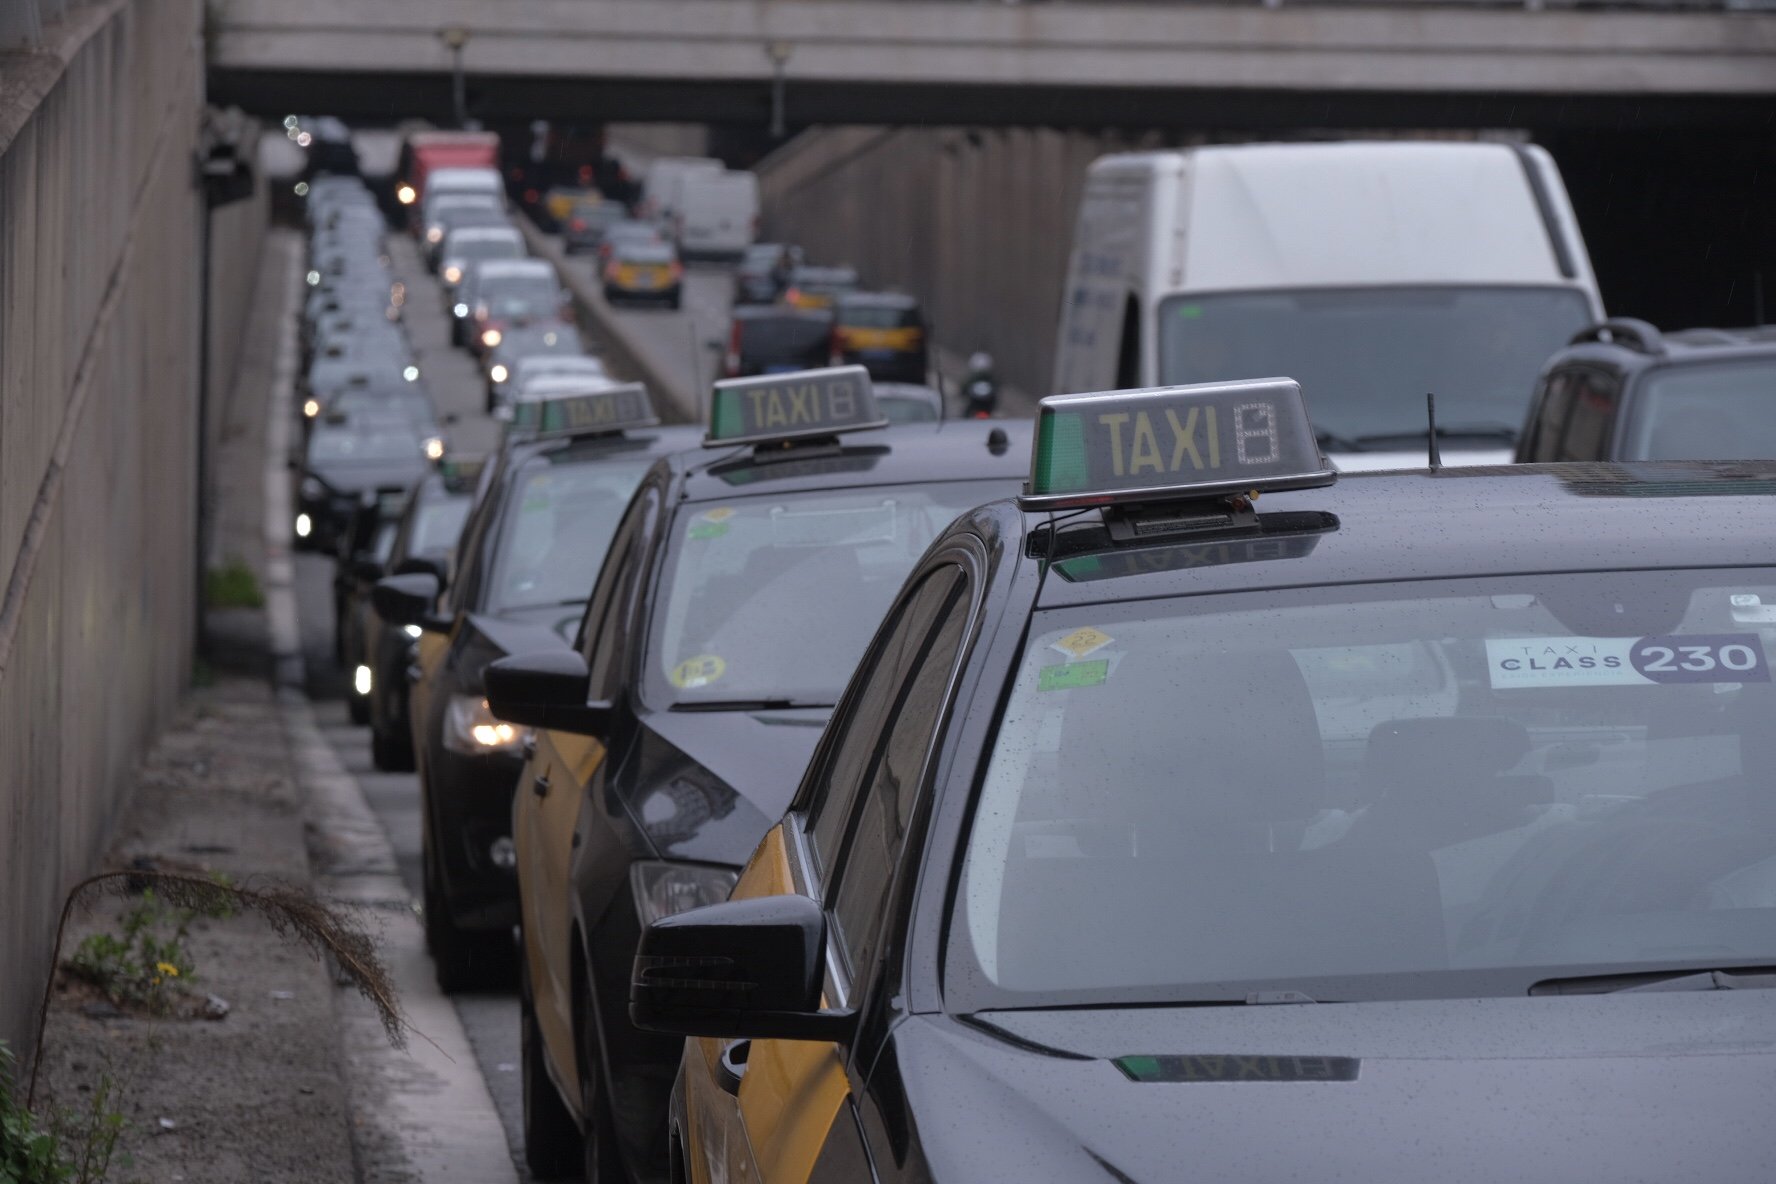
(786, 336)
(1718, 411)
(878, 317)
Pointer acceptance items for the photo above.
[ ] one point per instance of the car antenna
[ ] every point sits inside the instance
(1431, 435)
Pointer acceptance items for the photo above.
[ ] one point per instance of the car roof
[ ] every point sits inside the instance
(779, 312)
(1630, 344)
(877, 300)
(491, 232)
(902, 454)
(509, 268)
(1452, 523)
(651, 442)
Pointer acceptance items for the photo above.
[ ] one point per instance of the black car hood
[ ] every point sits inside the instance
(357, 477)
(742, 767)
(1661, 1086)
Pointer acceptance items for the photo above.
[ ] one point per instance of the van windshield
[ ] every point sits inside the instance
(1366, 357)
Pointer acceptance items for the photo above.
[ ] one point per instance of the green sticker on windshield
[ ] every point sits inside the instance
(1072, 675)
(708, 530)
(1190, 312)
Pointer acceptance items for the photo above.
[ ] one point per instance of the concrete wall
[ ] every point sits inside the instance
(99, 210)
(976, 224)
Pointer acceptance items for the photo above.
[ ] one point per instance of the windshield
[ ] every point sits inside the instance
(1366, 357)
(486, 248)
(1443, 789)
(561, 521)
(1719, 411)
(438, 524)
(390, 442)
(774, 598)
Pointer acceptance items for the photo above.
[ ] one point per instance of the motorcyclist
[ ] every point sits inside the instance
(980, 388)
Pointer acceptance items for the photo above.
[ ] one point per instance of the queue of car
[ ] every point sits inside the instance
(881, 796)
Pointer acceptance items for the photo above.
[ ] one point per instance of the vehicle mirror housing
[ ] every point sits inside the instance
(546, 690)
(429, 565)
(408, 600)
(366, 566)
(744, 969)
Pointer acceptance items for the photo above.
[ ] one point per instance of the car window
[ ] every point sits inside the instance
(1593, 414)
(775, 598)
(558, 527)
(609, 615)
(1718, 411)
(1448, 788)
(1550, 420)
(923, 656)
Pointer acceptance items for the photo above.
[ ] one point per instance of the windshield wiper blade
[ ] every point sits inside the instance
(1752, 978)
(1449, 431)
(743, 705)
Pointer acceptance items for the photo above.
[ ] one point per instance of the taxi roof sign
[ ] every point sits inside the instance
(799, 405)
(611, 409)
(1173, 443)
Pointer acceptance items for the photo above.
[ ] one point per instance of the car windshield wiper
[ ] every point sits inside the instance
(743, 705)
(1738, 979)
(1448, 431)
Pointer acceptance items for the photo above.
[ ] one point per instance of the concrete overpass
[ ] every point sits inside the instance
(949, 62)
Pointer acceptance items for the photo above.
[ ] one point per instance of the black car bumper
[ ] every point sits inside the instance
(469, 798)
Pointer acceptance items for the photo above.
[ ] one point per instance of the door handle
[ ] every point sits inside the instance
(732, 1065)
(540, 786)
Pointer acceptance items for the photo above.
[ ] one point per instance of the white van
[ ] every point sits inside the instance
(717, 214)
(660, 184)
(1373, 272)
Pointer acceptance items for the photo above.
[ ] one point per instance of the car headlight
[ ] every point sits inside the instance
(312, 489)
(410, 373)
(435, 234)
(498, 373)
(413, 631)
(434, 448)
(461, 310)
(665, 889)
(469, 727)
(491, 338)
(311, 407)
(405, 195)
(452, 275)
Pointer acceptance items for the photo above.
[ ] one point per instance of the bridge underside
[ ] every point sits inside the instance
(365, 97)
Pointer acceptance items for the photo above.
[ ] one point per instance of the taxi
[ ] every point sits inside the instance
(884, 332)
(1193, 817)
(742, 586)
(638, 271)
(529, 551)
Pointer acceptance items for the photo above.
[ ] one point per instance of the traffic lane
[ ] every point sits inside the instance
(451, 375)
(490, 1019)
(683, 345)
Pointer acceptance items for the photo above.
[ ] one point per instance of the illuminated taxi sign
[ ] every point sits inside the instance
(613, 409)
(795, 406)
(1171, 443)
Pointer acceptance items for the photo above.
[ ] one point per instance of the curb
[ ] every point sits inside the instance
(426, 1110)
(594, 315)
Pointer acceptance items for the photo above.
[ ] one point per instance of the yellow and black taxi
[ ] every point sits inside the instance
(529, 551)
(1191, 817)
(742, 586)
(884, 332)
(638, 272)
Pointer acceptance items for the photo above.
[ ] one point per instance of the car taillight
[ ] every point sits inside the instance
(836, 347)
(611, 271)
(678, 270)
(732, 361)
(577, 224)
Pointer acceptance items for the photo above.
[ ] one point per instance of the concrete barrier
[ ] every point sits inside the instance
(101, 215)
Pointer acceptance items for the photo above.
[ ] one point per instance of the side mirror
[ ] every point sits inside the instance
(429, 565)
(546, 690)
(408, 600)
(451, 419)
(746, 969)
(366, 566)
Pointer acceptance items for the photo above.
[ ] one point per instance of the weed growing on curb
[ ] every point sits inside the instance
(77, 1147)
(145, 966)
(233, 585)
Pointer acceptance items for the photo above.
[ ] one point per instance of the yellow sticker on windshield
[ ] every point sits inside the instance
(1084, 641)
(719, 514)
(696, 672)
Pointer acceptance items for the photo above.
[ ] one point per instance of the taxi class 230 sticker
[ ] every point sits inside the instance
(1625, 661)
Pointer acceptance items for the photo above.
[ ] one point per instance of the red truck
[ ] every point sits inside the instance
(425, 152)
